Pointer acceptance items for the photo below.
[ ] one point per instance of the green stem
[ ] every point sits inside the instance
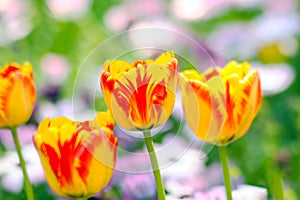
(28, 188)
(155, 167)
(274, 179)
(277, 187)
(226, 175)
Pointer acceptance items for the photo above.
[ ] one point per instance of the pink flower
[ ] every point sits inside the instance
(25, 133)
(68, 10)
(139, 186)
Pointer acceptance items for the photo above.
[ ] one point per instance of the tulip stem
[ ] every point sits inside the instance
(155, 166)
(226, 175)
(28, 187)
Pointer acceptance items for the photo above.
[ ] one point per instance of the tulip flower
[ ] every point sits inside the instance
(17, 94)
(78, 157)
(237, 104)
(17, 98)
(221, 113)
(141, 96)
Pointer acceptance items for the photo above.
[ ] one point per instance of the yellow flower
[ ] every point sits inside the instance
(141, 95)
(221, 105)
(78, 157)
(17, 94)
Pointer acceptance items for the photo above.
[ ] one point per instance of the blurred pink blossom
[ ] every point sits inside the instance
(196, 9)
(121, 16)
(280, 7)
(217, 192)
(201, 195)
(138, 186)
(14, 20)
(133, 162)
(68, 10)
(117, 18)
(192, 10)
(55, 69)
(25, 134)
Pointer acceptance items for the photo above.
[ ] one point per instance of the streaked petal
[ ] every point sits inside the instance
(50, 175)
(68, 152)
(218, 104)
(141, 96)
(104, 119)
(17, 94)
(204, 103)
(252, 88)
(164, 58)
(197, 111)
(229, 97)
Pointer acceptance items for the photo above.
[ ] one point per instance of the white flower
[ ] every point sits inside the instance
(65, 107)
(178, 189)
(275, 78)
(245, 40)
(249, 192)
(11, 173)
(184, 166)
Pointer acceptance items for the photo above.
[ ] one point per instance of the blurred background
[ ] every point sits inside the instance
(56, 36)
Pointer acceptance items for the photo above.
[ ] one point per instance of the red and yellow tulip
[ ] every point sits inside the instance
(17, 94)
(141, 95)
(221, 104)
(78, 157)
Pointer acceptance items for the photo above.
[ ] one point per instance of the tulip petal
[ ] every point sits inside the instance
(104, 119)
(141, 96)
(204, 103)
(17, 94)
(113, 70)
(70, 154)
(228, 100)
(251, 88)
(165, 58)
(50, 175)
(218, 104)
